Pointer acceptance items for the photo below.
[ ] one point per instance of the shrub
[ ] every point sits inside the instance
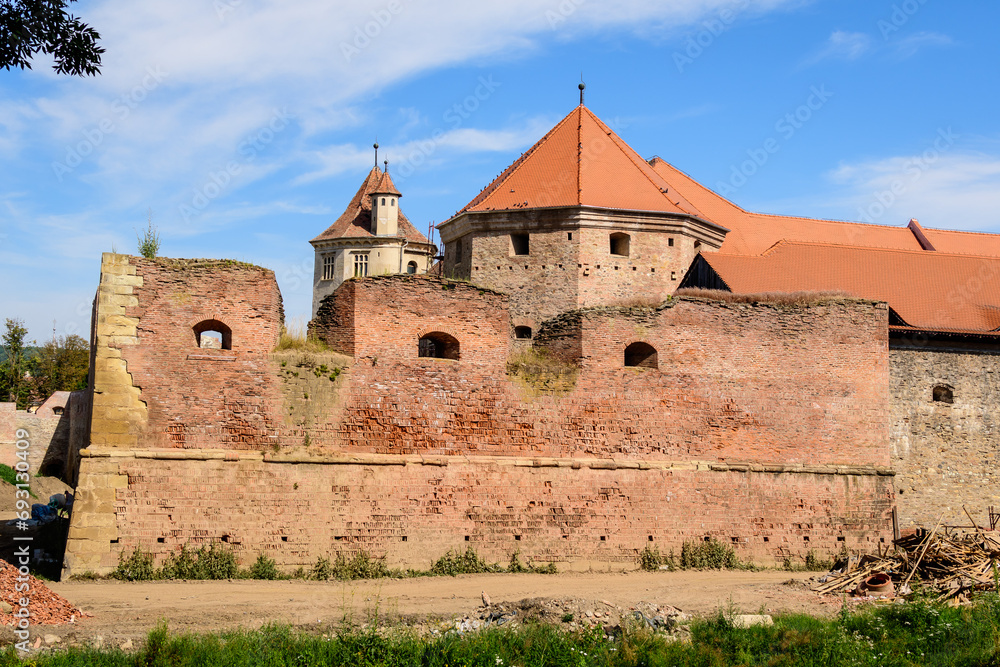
(149, 242)
(360, 566)
(323, 569)
(211, 562)
(135, 567)
(455, 563)
(710, 555)
(264, 568)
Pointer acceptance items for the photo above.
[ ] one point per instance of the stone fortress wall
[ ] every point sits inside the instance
(762, 425)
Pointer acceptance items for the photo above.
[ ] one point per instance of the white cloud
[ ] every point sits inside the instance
(947, 190)
(841, 45)
(908, 46)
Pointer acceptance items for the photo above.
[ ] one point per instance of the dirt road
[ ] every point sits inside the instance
(124, 611)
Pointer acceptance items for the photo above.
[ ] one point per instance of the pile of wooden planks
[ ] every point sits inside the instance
(948, 565)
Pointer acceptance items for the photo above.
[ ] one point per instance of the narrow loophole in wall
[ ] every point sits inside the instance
(805, 538)
(438, 345)
(735, 540)
(642, 355)
(213, 334)
(650, 538)
(114, 541)
(840, 538)
(403, 538)
(517, 538)
(942, 393)
(161, 540)
(523, 333)
(767, 539)
(619, 244)
(466, 538)
(604, 538)
(284, 538)
(670, 242)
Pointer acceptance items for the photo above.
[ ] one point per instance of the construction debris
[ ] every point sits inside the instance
(44, 606)
(948, 566)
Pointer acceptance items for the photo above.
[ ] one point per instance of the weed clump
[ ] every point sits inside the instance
(264, 568)
(706, 555)
(138, 566)
(455, 562)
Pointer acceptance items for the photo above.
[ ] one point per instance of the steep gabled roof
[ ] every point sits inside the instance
(580, 162)
(356, 220)
(929, 290)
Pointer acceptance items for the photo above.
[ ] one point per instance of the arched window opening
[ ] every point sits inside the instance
(392, 201)
(620, 244)
(943, 394)
(213, 334)
(438, 345)
(642, 355)
(383, 201)
(522, 332)
(519, 244)
(411, 268)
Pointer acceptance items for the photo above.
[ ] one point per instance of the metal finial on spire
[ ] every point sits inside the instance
(582, 86)
(386, 163)
(375, 146)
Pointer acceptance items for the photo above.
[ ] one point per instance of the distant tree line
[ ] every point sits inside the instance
(29, 373)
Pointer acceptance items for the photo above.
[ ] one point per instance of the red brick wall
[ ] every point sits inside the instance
(206, 397)
(414, 513)
(391, 313)
(723, 439)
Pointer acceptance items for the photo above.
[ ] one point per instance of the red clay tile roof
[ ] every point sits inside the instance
(385, 186)
(356, 221)
(581, 162)
(753, 233)
(933, 291)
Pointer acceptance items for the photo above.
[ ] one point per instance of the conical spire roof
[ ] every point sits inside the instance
(356, 220)
(385, 186)
(581, 162)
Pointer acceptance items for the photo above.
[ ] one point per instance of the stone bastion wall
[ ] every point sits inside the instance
(761, 425)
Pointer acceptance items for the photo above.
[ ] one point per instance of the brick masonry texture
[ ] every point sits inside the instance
(414, 513)
(946, 454)
(760, 421)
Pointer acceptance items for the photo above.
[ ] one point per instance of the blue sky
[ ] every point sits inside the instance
(246, 125)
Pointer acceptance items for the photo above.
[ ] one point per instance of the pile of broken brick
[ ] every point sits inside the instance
(43, 606)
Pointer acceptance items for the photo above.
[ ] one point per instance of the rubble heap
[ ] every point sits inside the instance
(45, 607)
(950, 566)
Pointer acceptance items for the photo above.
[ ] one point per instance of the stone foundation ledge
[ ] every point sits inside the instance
(509, 461)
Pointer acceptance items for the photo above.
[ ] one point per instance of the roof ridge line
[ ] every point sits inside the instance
(619, 142)
(512, 169)
(921, 252)
(698, 183)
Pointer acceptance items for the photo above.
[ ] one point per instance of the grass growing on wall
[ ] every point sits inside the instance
(541, 372)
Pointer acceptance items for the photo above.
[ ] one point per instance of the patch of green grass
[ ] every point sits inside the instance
(897, 635)
(9, 475)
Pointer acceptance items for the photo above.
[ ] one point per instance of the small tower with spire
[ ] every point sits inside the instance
(385, 205)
